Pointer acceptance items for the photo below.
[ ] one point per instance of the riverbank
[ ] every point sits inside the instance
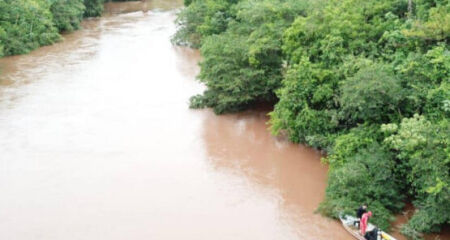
(97, 142)
(29, 24)
(364, 81)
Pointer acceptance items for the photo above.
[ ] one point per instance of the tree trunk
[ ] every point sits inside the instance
(410, 9)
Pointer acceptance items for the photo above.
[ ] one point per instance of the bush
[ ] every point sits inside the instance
(424, 147)
(372, 95)
(307, 108)
(438, 102)
(200, 19)
(340, 69)
(2, 36)
(94, 8)
(25, 25)
(67, 14)
(347, 145)
(366, 177)
(234, 83)
(243, 65)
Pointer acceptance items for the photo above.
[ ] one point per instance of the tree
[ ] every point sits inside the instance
(365, 80)
(25, 25)
(233, 82)
(306, 106)
(67, 14)
(372, 95)
(243, 65)
(202, 18)
(435, 28)
(94, 8)
(368, 176)
(423, 146)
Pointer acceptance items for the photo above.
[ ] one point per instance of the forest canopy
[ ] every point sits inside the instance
(367, 81)
(28, 24)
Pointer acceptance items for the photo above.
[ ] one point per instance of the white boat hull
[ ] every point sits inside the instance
(348, 223)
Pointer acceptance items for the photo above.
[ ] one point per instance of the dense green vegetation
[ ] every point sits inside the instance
(248, 49)
(67, 14)
(28, 24)
(94, 8)
(368, 81)
(25, 25)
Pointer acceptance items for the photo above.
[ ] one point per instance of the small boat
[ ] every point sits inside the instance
(349, 223)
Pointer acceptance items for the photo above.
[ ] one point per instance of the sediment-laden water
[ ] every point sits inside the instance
(97, 142)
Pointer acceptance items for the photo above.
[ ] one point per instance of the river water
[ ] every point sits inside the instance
(97, 142)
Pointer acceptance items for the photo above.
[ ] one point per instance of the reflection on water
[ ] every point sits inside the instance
(241, 145)
(76, 48)
(406, 214)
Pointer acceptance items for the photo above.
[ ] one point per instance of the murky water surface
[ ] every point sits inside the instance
(97, 142)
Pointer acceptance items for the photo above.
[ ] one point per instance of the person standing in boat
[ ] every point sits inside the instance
(359, 212)
(364, 222)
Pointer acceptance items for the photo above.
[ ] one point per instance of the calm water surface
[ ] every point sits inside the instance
(97, 142)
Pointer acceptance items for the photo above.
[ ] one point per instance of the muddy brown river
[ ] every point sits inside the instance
(97, 142)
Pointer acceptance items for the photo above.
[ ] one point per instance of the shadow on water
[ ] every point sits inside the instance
(97, 148)
(241, 145)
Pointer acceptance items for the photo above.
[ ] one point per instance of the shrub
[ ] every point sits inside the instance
(423, 146)
(67, 14)
(200, 19)
(366, 177)
(243, 64)
(372, 95)
(94, 8)
(26, 25)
